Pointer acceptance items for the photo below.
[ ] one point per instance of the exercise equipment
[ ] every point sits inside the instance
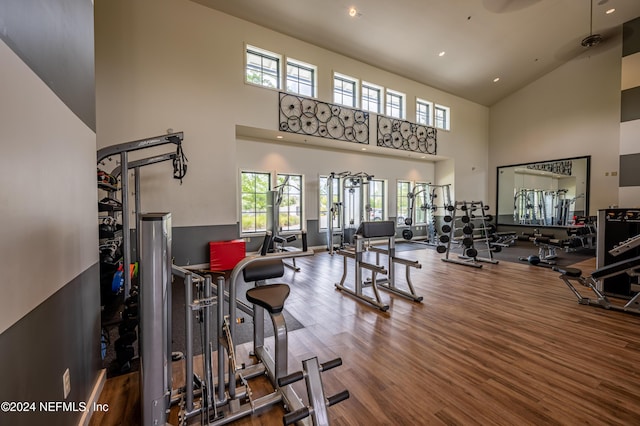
(318, 403)
(534, 206)
(471, 231)
(430, 198)
(628, 267)
(122, 150)
(226, 396)
(351, 208)
(279, 241)
(377, 230)
(615, 242)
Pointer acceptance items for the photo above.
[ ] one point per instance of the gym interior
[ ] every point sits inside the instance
(263, 245)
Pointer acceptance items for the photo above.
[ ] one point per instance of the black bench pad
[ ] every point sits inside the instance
(271, 297)
(616, 268)
(263, 270)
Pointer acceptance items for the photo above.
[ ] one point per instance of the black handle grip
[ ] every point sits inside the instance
(291, 378)
(305, 246)
(340, 396)
(266, 243)
(331, 364)
(295, 416)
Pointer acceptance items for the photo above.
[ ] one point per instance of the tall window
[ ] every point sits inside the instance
(328, 208)
(395, 104)
(423, 112)
(423, 199)
(371, 97)
(402, 201)
(441, 117)
(263, 67)
(301, 78)
(254, 189)
(377, 200)
(290, 209)
(344, 90)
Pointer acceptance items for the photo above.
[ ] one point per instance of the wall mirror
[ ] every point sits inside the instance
(546, 193)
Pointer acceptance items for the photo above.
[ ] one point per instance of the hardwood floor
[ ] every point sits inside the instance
(503, 345)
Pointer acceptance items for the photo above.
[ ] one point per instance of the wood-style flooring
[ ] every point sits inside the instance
(506, 344)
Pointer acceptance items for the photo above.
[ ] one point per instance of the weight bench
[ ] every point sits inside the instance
(630, 267)
(377, 229)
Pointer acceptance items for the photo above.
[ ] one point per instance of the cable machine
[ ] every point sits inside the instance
(279, 241)
(122, 150)
(352, 210)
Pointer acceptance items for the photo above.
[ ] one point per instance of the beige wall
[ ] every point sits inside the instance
(49, 231)
(572, 111)
(176, 64)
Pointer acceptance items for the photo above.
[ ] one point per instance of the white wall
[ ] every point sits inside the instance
(177, 64)
(572, 111)
(48, 199)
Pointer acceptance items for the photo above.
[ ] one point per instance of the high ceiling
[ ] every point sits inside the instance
(516, 41)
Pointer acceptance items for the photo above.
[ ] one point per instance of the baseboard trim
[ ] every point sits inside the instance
(93, 398)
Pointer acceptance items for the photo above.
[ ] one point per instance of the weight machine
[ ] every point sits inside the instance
(353, 209)
(381, 229)
(226, 397)
(630, 267)
(428, 194)
(123, 150)
(540, 207)
(279, 241)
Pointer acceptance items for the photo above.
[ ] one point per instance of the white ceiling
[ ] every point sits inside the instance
(515, 40)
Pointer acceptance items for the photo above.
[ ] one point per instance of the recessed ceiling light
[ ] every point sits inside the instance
(610, 11)
(442, 53)
(364, 149)
(497, 79)
(279, 137)
(353, 12)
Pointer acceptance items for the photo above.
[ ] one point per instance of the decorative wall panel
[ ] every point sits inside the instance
(401, 134)
(314, 118)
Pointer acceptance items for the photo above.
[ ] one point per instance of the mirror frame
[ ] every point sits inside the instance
(586, 192)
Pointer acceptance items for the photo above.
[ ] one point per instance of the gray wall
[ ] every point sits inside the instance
(55, 39)
(50, 304)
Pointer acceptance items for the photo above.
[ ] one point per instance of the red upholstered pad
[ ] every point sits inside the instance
(271, 296)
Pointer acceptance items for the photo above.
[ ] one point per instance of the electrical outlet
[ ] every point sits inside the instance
(614, 173)
(66, 383)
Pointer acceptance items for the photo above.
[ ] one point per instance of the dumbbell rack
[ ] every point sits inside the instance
(474, 234)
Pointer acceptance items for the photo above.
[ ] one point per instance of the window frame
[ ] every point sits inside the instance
(402, 107)
(348, 79)
(384, 197)
(401, 195)
(447, 119)
(337, 194)
(255, 210)
(429, 114)
(288, 195)
(425, 197)
(306, 66)
(381, 94)
(263, 53)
